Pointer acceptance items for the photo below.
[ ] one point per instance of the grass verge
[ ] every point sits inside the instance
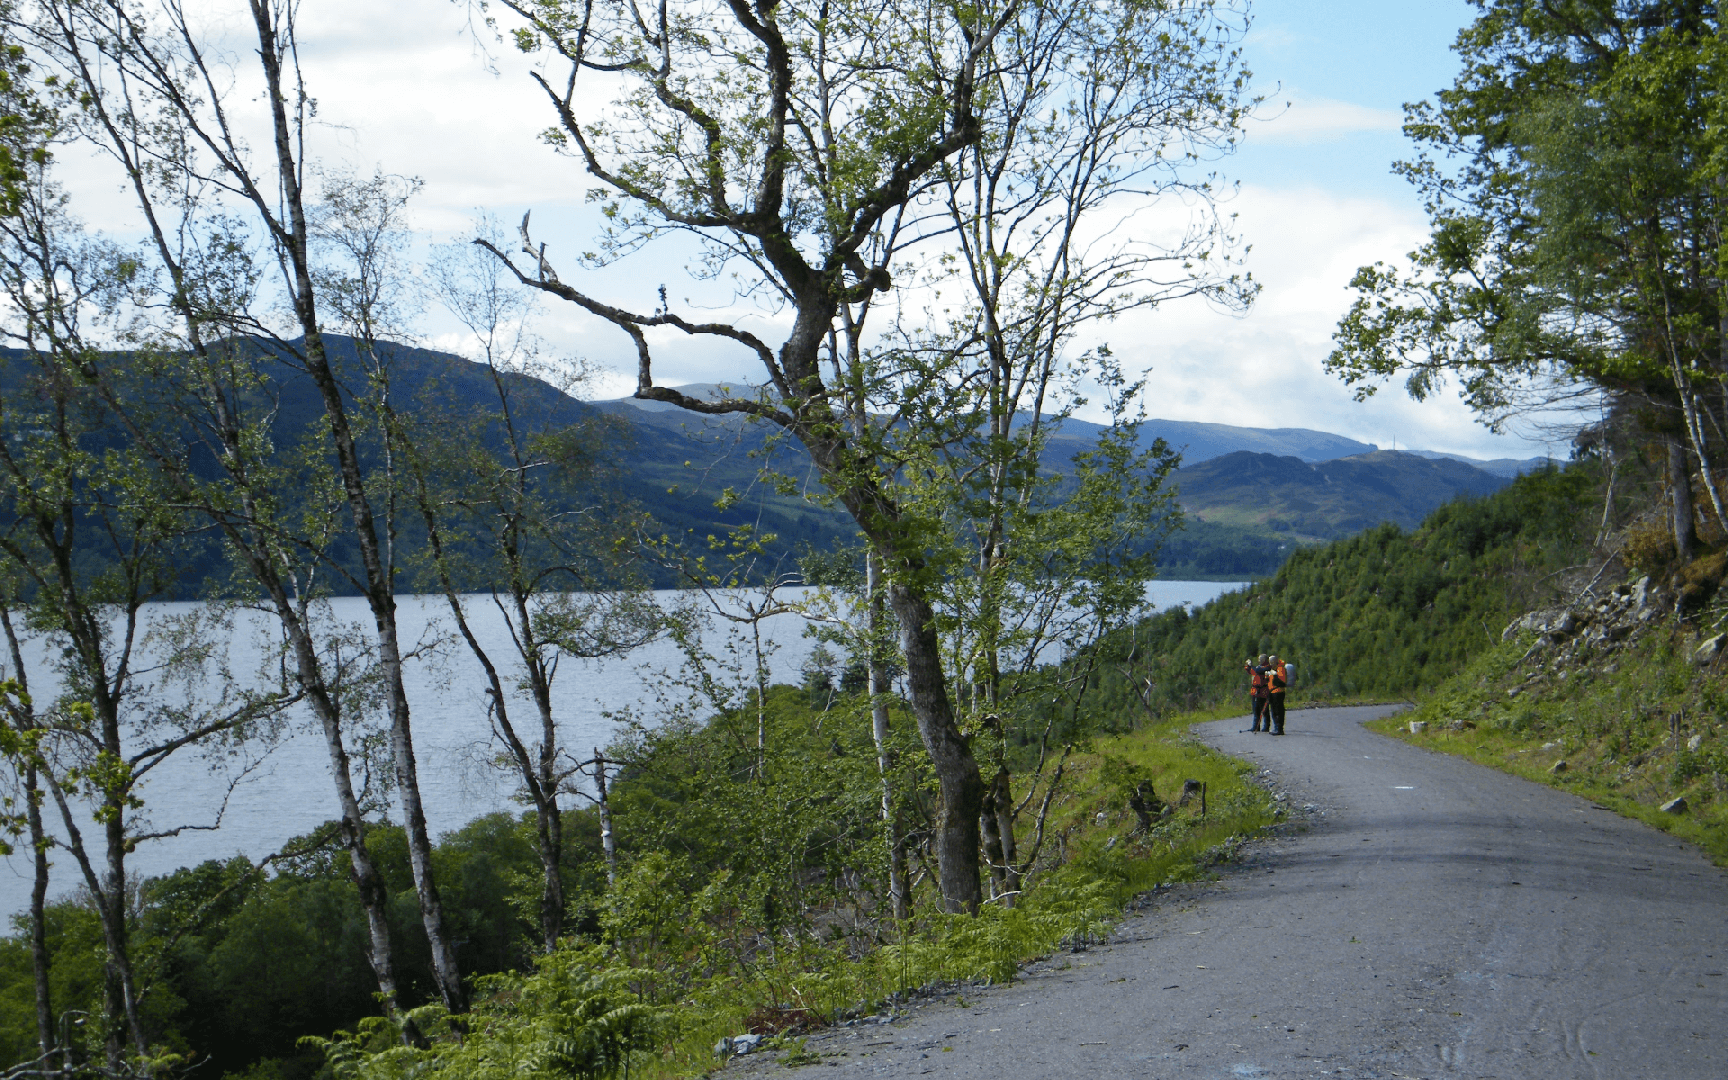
(1100, 860)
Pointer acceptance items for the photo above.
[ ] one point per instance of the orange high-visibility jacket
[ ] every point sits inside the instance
(1257, 680)
(1278, 678)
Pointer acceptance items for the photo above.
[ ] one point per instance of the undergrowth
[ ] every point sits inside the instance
(568, 1017)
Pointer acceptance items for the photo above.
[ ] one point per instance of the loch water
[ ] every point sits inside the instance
(257, 801)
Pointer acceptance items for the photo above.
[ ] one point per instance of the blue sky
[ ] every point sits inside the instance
(1376, 56)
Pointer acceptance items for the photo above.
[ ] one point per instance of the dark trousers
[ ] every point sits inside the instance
(1276, 719)
(1259, 701)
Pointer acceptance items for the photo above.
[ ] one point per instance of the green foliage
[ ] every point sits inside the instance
(576, 1017)
(1384, 613)
(692, 951)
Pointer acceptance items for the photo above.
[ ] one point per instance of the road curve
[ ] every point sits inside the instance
(1434, 919)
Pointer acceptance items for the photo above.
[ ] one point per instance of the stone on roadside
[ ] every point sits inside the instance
(736, 1045)
(1674, 806)
(1417, 727)
(1558, 766)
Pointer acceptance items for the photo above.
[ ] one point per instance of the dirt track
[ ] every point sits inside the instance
(1437, 918)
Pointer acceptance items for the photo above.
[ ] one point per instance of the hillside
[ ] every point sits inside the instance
(1384, 612)
(1248, 508)
(1329, 499)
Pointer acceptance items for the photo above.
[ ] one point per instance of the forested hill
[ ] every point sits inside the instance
(1383, 613)
(1330, 499)
(1248, 509)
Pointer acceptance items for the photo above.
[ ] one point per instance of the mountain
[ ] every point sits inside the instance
(1507, 467)
(1248, 507)
(1197, 442)
(1309, 502)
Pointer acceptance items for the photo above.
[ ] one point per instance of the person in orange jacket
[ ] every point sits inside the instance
(1277, 678)
(1257, 691)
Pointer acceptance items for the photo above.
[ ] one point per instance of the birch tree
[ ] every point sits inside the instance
(818, 153)
(158, 102)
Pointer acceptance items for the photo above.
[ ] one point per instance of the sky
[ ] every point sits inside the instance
(409, 87)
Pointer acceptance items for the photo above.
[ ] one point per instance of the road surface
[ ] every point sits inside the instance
(1435, 919)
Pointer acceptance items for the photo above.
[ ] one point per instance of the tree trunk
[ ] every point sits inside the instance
(990, 830)
(39, 917)
(1005, 828)
(957, 837)
(900, 901)
(607, 844)
(380, 588)
(1680, 484)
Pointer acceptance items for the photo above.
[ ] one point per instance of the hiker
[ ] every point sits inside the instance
(1257, 691)
(1277, 678)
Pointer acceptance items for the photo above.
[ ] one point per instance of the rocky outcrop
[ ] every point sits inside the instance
(1601, 627)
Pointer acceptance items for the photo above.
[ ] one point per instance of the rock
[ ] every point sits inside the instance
(1694, 743)
(1417, 727)
(1710, 650)
(1566, 623)
(1309, 808)
(1515, 691)
(1641, 592)
(1190, 790)
(1110, 844)
(1101, 818)
(1550, 746)
(1558, 766)
(736, 1045)
(1674, 806)
(1529, 621)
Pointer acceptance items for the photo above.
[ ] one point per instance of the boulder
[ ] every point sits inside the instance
(1641, 592)
(736, 1045)
(1558, 766)
(1530, 621)
(1694, 743)
(1710, 650)
(1674, 806)
(1417, 727)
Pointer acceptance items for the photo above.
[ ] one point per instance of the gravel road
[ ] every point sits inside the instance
(1434, 918)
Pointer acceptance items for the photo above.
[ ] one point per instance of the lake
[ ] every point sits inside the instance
(289, 793)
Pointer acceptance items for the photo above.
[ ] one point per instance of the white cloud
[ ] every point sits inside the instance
(1296, 120)
(405, 87)
(1265, 368)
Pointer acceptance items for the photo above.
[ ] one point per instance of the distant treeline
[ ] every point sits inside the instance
(1383, 613)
